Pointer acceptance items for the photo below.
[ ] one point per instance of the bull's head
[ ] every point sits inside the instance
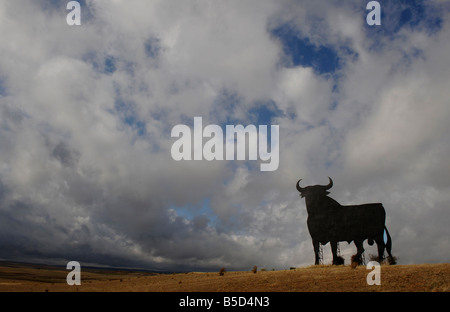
(314, 190)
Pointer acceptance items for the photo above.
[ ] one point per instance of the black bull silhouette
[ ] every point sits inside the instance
(329, 221)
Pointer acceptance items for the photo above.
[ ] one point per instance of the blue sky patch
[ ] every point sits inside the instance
(263, 113)
(407, 14)
(152, 47)
(104, 64)
(192, 211)
(416, 13)
(128, 115)
(302, 52)
(109, 65)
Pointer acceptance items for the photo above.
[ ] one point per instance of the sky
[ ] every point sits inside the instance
(86, 113)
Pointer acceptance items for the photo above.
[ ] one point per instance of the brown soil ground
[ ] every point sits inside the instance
(323, 278)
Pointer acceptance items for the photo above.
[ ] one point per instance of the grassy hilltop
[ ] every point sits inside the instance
(322, 278)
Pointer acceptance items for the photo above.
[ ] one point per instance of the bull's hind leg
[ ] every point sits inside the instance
(391, 258)
(316, 245)
(357, 258)
(380, 245)
(337, 260)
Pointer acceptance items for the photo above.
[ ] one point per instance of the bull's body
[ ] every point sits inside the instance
(346, 223)
(329, 221)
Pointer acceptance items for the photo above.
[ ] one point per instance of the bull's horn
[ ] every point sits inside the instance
(298, 186)
(330, 185)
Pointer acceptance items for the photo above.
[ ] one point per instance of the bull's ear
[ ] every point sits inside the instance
(326, 192)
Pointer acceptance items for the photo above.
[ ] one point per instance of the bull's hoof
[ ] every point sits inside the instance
(338, 261)
(391, 260)
(356, 260)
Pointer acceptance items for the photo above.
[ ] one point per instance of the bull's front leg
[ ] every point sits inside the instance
(337, 260)
(316, 245)
(357, 258)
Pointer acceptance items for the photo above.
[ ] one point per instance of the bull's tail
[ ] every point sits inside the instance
(388, 244)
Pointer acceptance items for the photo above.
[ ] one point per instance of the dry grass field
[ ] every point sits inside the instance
(324, 278)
